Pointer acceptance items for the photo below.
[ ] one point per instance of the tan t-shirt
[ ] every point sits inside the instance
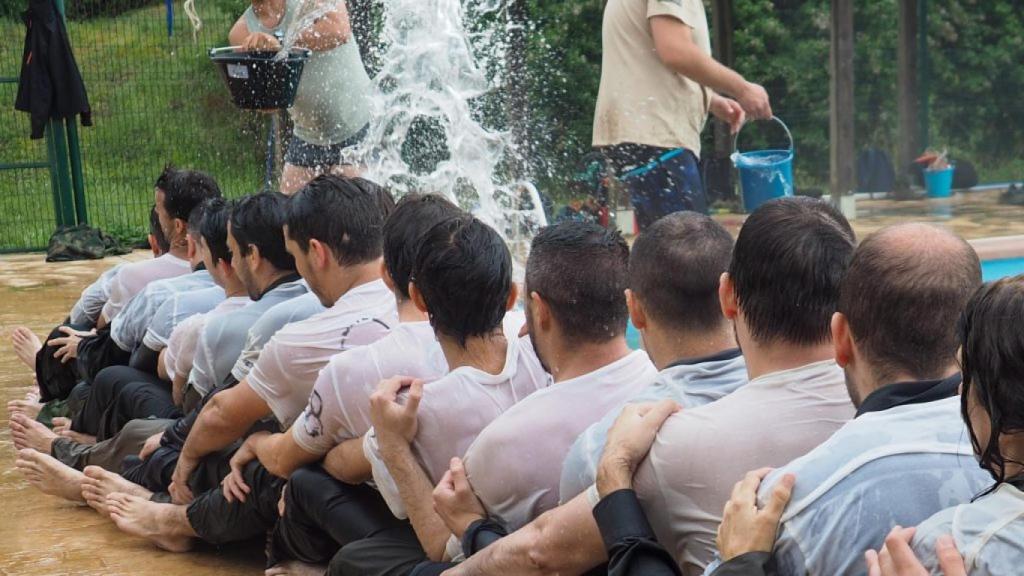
(700, 454)
(641, 100)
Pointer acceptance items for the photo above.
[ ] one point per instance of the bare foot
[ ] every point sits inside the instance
(161, 524)
(295, 568)
(26, 344)
(62, 427)
(98, 484)
(27, 433)
(26, 407)
(50, 476)
(60, 424)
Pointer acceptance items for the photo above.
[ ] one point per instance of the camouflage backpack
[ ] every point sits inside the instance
(82, 242)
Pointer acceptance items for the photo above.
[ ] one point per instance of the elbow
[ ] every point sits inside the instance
(539, 557)
(349, 476)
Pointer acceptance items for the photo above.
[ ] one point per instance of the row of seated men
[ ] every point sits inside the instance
(357, 384)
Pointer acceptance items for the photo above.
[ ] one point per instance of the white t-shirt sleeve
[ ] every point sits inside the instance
(382, 476)
(161, 327)
(93, 298)
(316, 429)
(120, 294)
(272, 376)
(181, 349)
(203, 377)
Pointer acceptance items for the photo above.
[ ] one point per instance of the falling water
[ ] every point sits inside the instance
(426, 135)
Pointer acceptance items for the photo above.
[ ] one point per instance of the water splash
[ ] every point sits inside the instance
(428, 133)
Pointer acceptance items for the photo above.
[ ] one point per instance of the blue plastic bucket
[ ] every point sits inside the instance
(939, 183)
(765, 174)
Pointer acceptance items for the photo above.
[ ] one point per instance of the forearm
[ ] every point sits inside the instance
(693, 63)
(213, 430)
(328, 31)
(564, 540)
(416, 491)
(279, 454)
(347, 463)
(161, 369)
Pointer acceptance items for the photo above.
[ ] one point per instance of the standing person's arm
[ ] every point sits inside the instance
(239, 32)
(673, 40)
(328, 31)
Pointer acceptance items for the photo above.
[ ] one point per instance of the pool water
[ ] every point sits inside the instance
(990, 270)
(996, 269)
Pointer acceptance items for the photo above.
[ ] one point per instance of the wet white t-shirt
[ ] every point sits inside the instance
(457, 407)
(133, 277)
(181, 349)
(699, 454)
(175, 310)
(93, 298)
(516, 462)
(290, 362)
(128, 330)
(295, 310)
(339, 406)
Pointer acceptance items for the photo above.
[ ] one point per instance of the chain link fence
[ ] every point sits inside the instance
(155, 100)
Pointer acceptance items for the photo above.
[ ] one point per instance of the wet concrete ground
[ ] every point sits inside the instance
(44, 535)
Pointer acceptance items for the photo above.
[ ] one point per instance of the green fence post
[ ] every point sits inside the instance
(77, 178)
(57, 153)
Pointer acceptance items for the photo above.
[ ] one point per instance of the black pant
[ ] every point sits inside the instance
(323, 514)
(119, 395)
(56, 379)
(394, 552)
(217, 521)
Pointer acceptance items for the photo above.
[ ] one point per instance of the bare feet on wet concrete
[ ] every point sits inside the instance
(50, 476)
(99, 484)
(165, 525)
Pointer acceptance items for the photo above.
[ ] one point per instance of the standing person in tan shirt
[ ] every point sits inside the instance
(658, 84)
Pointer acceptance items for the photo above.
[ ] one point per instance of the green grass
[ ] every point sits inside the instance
(154, 99)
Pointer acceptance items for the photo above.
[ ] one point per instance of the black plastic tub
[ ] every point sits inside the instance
(256, 80)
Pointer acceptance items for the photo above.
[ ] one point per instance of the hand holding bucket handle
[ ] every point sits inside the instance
(736, 141)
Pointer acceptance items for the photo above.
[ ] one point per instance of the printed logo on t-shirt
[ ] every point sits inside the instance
(314, 427)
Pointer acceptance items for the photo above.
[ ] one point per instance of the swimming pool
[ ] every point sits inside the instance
(996, 269)
(990, 270)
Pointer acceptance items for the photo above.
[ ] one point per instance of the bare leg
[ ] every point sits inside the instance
(26, 345)
(50, 476)
(295, 568)
(165, 525)
(99, 484)
(27, 433)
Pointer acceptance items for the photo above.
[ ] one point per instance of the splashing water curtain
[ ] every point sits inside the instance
(426, 94)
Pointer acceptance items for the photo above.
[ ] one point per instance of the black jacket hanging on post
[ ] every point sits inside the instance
(50, 85)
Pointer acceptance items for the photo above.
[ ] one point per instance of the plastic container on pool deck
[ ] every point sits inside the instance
(939, 183)
(258, 80)
(765, 174)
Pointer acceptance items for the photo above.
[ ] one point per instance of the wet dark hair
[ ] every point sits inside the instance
(992, 362)
(675, 267)
(213, 227)
(464, 272)
(184, 190)
(347, 215)
(258, 220)
(789, 258)
(404, 230)
(903, 301)
(580, 269)
(195, 219)
(157, 231)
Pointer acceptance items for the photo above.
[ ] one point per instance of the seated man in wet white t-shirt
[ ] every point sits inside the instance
(780, 293)
(902, 458)
(674, 269)
(177, 193)
(317, 520)
(462, 278)
(333, 229)
(577, 321)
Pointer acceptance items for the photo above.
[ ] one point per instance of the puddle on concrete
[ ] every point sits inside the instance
(43, 535)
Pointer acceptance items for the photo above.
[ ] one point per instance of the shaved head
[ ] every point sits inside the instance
(902, 296)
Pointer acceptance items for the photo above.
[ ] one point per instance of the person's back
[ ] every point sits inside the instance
(989, 530)
(277, 317)
(906, 454)
(641, 100)
(780, 292)
(674, 271)
(176, 310)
